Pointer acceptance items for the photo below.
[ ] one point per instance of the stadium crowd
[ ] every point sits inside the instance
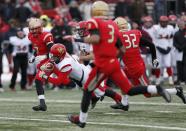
(170, 46)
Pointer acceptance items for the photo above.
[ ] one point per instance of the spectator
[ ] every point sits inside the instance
(121, 9)
(4, 28)
(159, 9)
(85, 9)
(180, 44)
(7, 10)
(137, 9)
(22, 12)
(74, 11)
(59, 31)
(47, 26)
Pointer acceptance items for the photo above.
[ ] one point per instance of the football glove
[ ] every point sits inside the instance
(155, 63)
(43, 75)
(31, 59)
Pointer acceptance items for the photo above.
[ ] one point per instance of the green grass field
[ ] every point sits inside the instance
(144, 114)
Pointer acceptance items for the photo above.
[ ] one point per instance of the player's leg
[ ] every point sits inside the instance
(167, 64)
(93, 81)
(23, 66)
(40, 92)
(157, 71)
(14, 73)
(125, 86)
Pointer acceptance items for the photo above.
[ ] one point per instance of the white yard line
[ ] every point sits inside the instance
(78, 102)
(95, 123)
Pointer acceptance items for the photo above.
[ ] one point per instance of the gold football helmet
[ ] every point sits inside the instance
(99, 8)
(122, 23)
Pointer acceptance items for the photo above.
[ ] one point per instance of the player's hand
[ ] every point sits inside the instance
(155, 63)
(31, 59)
(69, 38)
(43, 75)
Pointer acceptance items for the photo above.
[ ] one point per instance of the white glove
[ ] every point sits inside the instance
(43, 75)
(31, 59)
(155, 63)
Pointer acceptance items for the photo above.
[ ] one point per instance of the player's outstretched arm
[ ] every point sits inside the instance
(61, 78)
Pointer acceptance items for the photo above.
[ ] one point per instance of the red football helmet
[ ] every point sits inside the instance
(172, 17)
(164, 21)
(82, 29)
(57, 52)
(164, 18)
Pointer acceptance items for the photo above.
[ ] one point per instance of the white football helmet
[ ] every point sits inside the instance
(122, 24)
(99, 8)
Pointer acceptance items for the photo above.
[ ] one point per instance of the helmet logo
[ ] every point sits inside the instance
(60, 50)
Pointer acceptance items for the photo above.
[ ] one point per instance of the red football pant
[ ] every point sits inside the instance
(111, 70)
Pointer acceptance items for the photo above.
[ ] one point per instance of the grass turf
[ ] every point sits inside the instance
(144, 114)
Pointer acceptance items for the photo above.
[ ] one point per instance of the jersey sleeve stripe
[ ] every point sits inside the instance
(66, 68)
(47, 35)
(95, 23)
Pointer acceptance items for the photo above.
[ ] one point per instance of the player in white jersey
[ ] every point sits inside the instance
(66, 64)
(163, 33)
(19, 48)
(174, 52)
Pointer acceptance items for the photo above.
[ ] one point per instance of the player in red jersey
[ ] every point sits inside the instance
(41, 43)
(106, 43)
(134, 64)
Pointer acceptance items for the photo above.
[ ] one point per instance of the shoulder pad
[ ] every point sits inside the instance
(92, 24)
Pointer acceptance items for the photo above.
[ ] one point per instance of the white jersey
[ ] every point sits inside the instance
(19, 45)
(78, 71)
(163, 36)
(150, 32)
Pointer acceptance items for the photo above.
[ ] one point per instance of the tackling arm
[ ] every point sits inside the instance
(61, 78)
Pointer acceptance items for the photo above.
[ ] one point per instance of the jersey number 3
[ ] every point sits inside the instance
(111, 34)
(130, 40)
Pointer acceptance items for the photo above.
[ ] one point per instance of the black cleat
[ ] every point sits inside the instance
(120, 106)
(40, 108)
(180, 93)
(165, 94)
(94, 101)
(75, 119)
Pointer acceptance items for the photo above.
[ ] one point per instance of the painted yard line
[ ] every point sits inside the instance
(96, 123)
(78, 102)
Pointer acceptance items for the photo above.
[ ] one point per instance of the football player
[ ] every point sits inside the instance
(134, 63)
(41, 43)
(66, 67)
(107, 46)
(19, 48)
(163, 34)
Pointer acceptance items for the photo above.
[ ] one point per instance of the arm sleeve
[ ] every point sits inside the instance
(147, 43)
(61, 78)
(176, 43)
(48, 39)
(119, 43)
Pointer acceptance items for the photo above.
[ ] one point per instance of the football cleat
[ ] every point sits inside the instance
(120, 106)
(165, 94)
(94, 101)
(75, 120)
(180, 93)
(40, 108)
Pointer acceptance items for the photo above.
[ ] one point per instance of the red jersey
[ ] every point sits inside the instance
(131, 40)
(105, 50)
(50, 68)
(40, 42)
